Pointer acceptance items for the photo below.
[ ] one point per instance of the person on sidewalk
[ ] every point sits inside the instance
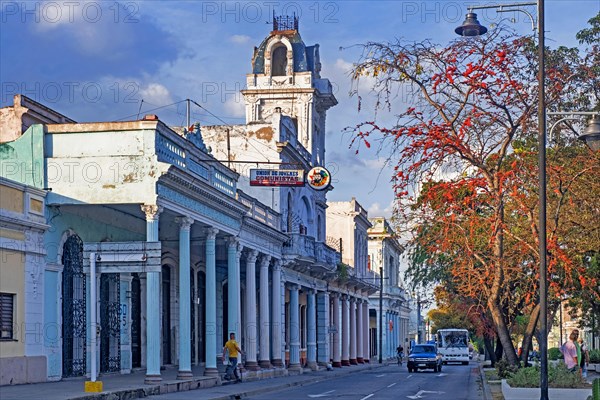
(585, 358)
(233, 349)
(569, 350)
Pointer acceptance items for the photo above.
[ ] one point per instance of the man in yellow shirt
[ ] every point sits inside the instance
(233, 348)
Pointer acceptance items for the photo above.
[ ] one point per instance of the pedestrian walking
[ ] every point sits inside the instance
(570, 350)
(232, 347)
(585, 358)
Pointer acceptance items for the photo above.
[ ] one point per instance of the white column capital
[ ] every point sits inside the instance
(211, 233)
(233, 241)
(277, 264)
(185, 223)
(264, 261)
(152, 211)
(252, 256)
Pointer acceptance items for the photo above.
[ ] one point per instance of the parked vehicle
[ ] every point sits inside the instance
(424, 356)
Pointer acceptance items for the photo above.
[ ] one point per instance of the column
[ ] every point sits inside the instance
(323, 328)
(337, 320)
(345, 331)
(152, 302)
(311, 321)
(211, 303)
(185, 326)
(359, 332)
(277, 326)
(366, 331)
(294, 328)
(233, 288)
(353, 331)
(251, 363)
(265, 339)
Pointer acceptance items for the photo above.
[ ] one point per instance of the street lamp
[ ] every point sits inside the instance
(591, 136)
(471, 29)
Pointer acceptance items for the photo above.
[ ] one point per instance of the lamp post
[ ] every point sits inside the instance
(472, 27)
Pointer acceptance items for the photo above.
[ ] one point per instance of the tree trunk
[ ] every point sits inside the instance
(489, 349)
(499, 350)
(529, 331)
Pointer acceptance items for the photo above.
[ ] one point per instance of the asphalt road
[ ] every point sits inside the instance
(455, 382)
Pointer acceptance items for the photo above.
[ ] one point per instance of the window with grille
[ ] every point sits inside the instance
(7, 301)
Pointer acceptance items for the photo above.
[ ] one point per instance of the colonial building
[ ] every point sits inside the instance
(394, 311)
(140, 185)
(286, 102)
(348, 222)
(22, 330)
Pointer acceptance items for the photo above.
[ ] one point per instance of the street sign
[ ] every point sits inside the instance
(318, 178)
(277, 177)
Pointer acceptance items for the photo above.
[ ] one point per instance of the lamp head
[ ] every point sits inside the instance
(471, 26)
(591, 134)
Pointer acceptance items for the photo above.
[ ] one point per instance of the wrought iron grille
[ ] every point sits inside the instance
(73, 309)
(110, 323)
(285, 22)
(136, 338)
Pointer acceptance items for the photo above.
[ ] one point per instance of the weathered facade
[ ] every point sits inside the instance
(22, 331)
(384, 258)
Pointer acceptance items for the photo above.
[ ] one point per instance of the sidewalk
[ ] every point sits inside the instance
(131, 386)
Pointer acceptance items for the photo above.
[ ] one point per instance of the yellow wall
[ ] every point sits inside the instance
(12, 265)
(36, 206)
(11, 199)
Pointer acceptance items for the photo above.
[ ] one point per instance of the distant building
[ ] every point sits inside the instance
(385, 257)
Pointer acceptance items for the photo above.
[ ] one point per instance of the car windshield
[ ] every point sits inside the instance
(423, 349)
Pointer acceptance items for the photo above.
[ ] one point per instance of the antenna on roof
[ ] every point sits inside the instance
(140, 109)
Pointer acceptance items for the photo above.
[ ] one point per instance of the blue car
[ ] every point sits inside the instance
(424, 356)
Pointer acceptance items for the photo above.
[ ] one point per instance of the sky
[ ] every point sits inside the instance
(96, 60)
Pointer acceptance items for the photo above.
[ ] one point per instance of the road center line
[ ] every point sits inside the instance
(366, 397)
(391, 385)
(379, 376)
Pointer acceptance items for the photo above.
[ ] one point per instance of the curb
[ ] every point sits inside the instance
(487, 392)
(204, 383)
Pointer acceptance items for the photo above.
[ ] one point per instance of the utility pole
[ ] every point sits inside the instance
(380, 315)
(418, 318)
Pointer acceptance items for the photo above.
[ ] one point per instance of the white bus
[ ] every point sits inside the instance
(453, 345)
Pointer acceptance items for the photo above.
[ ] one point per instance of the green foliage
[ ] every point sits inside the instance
(554, 353)
(595, 356)
(505, 369)
(342, 270)
(558, 377)
(596, 389)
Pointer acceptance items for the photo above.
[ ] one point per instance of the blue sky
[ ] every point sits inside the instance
(95, 61)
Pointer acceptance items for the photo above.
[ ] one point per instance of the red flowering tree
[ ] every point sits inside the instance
(462, 188)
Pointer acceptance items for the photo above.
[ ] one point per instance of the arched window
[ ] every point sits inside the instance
(279, 61)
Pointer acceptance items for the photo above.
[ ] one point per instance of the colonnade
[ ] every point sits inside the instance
(336, 324)
(350, 338)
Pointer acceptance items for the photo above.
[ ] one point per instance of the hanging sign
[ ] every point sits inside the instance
(318, 178)
(276, 177)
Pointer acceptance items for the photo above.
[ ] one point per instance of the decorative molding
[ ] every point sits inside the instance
(196, 206)
(185, 223)
(152, 211)
(211, 233)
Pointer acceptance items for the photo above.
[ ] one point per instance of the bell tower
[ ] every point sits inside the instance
(286, 78)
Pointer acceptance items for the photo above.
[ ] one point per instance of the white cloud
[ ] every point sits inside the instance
(240, 39)
(155, 93)
(375, 210)
(235, 107)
